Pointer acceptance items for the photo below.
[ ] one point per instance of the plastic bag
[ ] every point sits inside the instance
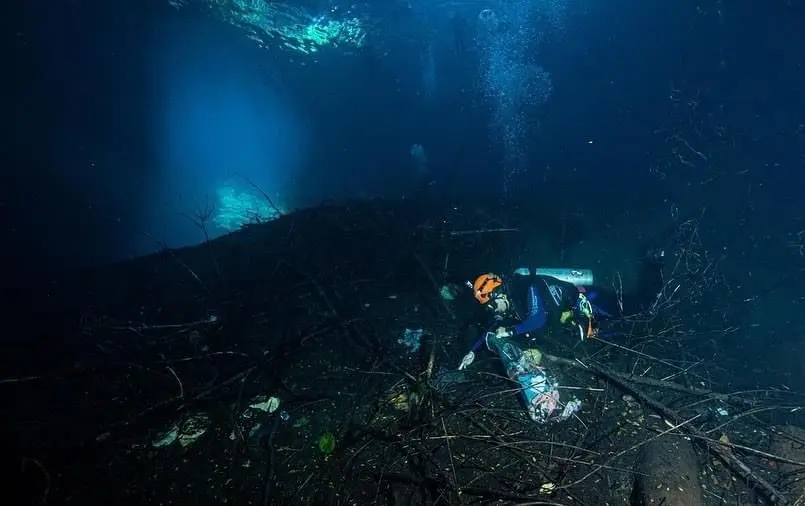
(539, 390)
(411, 339)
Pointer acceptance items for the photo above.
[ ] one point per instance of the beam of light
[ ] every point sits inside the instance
(218, 126)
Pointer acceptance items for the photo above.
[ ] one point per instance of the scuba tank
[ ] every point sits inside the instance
(578, 277)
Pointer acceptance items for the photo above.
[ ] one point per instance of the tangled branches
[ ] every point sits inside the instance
(310, 316)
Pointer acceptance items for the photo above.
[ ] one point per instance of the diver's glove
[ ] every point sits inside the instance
(466, 361)
(569, 318)
(501, 332)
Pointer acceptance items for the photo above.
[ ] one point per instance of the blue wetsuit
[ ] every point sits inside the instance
(539, 301)
(536, 301)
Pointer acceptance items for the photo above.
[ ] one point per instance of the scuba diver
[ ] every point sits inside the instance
(530, 302)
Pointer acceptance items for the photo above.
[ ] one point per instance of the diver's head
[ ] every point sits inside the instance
(488, 290)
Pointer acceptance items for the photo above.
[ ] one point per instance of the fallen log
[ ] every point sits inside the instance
(720, 451)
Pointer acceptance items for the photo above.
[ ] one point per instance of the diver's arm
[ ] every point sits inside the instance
(468, 359)
(537, 307)
(534, 322)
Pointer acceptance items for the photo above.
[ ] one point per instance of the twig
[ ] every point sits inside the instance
(344, 324)
(642, 380)
(264, 194)
(181, 262)
(482, 231)
(435, 286)
(769, 456)
(139, 327)
(45, 473)
(208, 355)
(638, 353)
(452, 464)
(270, 471)
(201, 216)
(181, 387)
(19, 380)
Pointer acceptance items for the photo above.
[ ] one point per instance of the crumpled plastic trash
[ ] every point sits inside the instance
(540, 395)
(570, 409)
(252, 419)
(539, 390)
(412, 339)
(542, 398)
(267, 404)
(448, 292)
(547, 488)
(186, 432)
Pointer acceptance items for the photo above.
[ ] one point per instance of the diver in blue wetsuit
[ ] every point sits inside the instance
(523, 304)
